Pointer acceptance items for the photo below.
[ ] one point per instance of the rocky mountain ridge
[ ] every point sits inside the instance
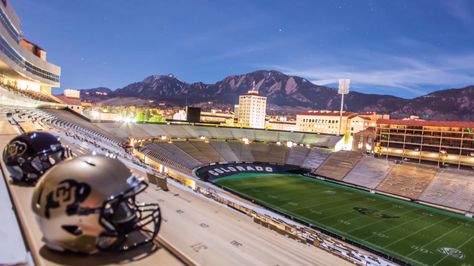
(285, 92)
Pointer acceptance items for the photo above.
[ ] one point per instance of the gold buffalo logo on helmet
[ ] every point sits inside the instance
(16, 148)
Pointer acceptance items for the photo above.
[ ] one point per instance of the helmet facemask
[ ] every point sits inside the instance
(43, 162)
(127, 222)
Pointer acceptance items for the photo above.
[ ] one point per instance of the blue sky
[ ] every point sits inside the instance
(401, 47)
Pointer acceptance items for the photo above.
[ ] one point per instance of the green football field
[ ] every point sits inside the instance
(410, 232)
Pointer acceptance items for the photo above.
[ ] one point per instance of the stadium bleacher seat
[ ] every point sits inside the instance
(315, 158)
(190, 149)
(225, 151)
(369, 172)
(242, 151)
(408, 180)
(339, 164)
(297, 155)
(207, 150)
(451, 188)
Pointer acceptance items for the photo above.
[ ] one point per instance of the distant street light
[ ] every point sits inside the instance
(290, 144)
(343, 89)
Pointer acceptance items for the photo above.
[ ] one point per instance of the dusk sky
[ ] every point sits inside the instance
(401, 47)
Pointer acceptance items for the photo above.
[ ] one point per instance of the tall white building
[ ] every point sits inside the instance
(252, 109)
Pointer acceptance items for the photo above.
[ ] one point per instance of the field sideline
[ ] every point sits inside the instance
(413, 233)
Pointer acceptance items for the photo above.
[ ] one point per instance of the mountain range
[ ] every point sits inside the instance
(286, 94)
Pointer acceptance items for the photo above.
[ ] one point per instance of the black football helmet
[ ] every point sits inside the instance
(28, 156)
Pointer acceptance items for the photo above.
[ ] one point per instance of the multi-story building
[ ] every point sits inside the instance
(372, 117)
(217, 116)
(104, 116)
(363, 141)
(236, 111)
(180, 115)
(327, 122)
(282, 125)
(23, 64)
(73, 103)
(252, 109)
(72, 99)
(72, 93)
(441, 142)
(280, 122)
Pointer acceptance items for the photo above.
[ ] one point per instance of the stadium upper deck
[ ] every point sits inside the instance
(22, 63)
(188, 131)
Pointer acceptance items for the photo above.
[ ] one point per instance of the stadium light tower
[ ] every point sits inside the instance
(343, 89)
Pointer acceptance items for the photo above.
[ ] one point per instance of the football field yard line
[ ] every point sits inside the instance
(316, 206)
(351, 201)
(409, 221)
(287, 197)
(458, 247)
(417, 231)
(390, 252)
(436, 239)
(331, 202)
(361, 216)
(284, 197)
(325, 203)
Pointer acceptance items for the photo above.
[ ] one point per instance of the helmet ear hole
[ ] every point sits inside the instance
(20, 160)
(72, 229)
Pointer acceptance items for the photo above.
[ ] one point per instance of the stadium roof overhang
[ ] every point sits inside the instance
(7, 70)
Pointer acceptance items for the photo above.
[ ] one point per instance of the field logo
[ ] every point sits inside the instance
(374, 213)
(455, 253)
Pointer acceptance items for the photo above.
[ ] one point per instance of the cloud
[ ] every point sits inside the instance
(411, 75)
(241, 51)
(412, 43)
(236, 52)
